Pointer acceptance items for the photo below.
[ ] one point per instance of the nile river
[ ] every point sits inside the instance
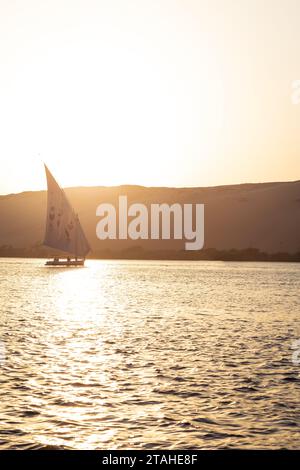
(147, 355)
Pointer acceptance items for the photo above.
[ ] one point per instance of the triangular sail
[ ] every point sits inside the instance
(63, 229)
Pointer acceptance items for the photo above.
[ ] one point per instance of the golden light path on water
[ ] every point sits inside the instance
(75, 301)
(149, 355)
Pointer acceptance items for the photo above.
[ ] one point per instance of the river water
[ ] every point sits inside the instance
(149, 354)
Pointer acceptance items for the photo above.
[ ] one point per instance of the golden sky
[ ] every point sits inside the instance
(156, 92)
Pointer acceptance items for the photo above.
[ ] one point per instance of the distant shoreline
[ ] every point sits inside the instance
(248, 222)
(137, 253)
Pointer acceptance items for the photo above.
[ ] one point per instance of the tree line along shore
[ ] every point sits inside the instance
(139, 253)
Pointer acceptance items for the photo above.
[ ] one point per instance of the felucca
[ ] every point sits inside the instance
(63, 229)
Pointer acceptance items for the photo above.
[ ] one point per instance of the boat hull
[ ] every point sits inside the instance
(66, 263)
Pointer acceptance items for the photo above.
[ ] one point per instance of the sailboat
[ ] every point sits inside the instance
(63, 229)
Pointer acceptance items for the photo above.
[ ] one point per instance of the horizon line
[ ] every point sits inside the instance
(152, 187)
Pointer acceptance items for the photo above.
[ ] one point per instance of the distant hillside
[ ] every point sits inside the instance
(259, 216)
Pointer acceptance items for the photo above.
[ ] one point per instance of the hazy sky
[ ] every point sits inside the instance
(156, 92)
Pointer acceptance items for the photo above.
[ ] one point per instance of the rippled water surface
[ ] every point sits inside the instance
(149, 355)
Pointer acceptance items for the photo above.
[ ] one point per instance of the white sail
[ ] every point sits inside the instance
(63, 229)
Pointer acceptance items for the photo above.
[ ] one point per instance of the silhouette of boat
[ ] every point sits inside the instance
(63, 228)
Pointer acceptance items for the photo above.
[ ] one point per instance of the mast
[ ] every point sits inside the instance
(76, 217)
